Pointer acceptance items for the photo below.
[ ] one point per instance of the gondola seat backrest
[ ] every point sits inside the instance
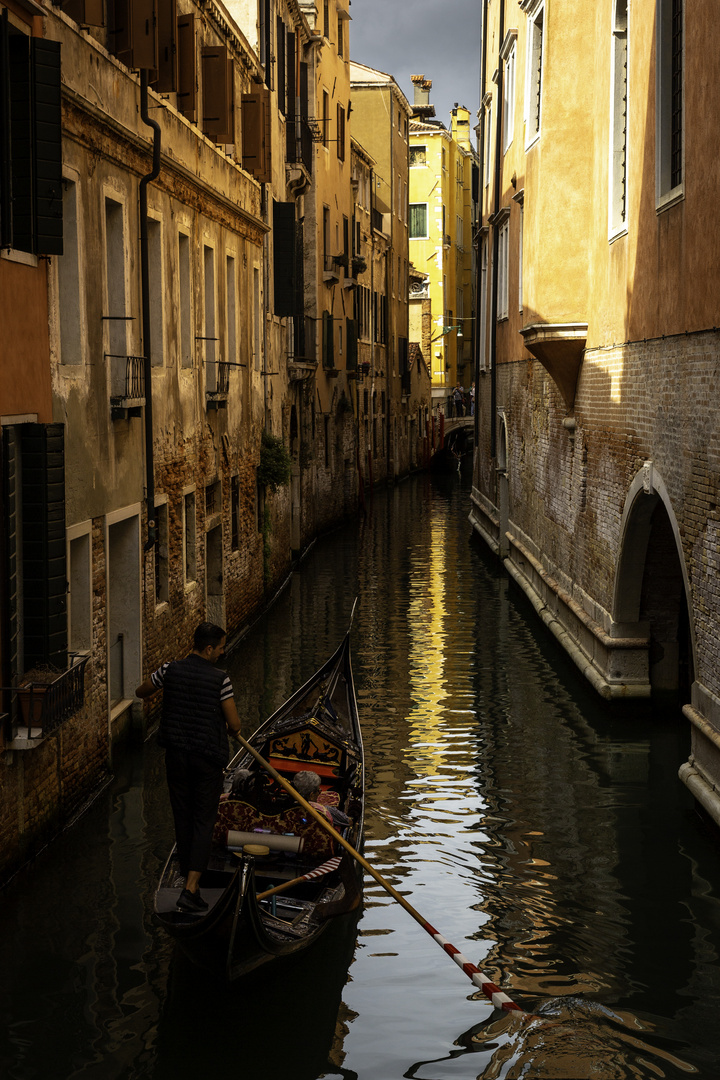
(241, 817)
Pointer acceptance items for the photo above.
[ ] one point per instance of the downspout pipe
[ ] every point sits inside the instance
(481, 190)
(145, 290)
(496, 247)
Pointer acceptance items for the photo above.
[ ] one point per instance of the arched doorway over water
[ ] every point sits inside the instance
(652, 588)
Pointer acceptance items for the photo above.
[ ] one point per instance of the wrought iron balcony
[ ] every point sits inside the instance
(216, 396)
(128, 381)
(39, 707)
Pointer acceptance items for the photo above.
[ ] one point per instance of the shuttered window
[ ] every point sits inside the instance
(217, 85)
(292, 154)
(187, 68)
(284, 257)
(256, 157)
(31, 155)
(34, 485)
(166, 75)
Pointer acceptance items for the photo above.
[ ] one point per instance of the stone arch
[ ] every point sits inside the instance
(652, 588)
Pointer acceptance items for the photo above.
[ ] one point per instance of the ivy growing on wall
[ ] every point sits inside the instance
(275, 466)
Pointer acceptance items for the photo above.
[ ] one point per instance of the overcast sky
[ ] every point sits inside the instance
(439, 39)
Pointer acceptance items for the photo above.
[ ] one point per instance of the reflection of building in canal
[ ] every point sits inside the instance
(567, 800)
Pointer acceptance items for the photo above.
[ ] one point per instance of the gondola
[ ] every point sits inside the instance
(263, 839)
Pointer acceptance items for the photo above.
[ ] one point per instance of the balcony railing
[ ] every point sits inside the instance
(38, 708)
(128, 381)
(219, 374)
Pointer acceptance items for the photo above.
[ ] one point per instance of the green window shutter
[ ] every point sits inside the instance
(351, 336)
(43, 548)
(284, 257)
(47, 157)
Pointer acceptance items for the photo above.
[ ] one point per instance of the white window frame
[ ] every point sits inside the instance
(619, 127)
(508, 54)
(534, 69)
(426, 235)
(503, 299)
(666, 194)
(488, 137)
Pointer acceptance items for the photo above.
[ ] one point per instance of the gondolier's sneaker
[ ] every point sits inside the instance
(192, 902)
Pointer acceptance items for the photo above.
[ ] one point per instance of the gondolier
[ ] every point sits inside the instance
(198, 709)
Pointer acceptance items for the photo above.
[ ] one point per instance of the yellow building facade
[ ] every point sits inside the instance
(442, 175)
(598, 464)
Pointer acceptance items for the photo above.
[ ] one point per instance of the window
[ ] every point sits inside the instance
(520, 258)
(488, 142)
(231, 309)
(483, 303)
(502, 269)
(257, 337)
(189, 537)
(79, 592)
(669, 98)
(185, 308)
(116, 319)
(162, 575)
(340, 36)
(31, 202)
(509, 93)
(534, 80)
(235, 513)
(157, 291)
(418, 155)
(210, 343)
(69, 280)
(618, 120)
(341, 132)
(325, 117)
(418, 221)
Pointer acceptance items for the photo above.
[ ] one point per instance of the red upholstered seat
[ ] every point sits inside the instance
(239, 815)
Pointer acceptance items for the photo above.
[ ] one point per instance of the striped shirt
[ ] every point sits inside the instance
(158, 679)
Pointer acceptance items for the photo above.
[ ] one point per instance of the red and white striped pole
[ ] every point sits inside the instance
(488, 987)
(492, 992)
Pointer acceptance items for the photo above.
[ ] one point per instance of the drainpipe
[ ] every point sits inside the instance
(478, 261)
(145, 289)
(496, 245)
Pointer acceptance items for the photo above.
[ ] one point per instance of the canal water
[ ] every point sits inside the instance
(544, 834)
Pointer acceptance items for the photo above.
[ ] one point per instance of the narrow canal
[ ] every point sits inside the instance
(547, 837)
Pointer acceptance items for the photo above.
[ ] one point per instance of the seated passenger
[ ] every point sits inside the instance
(307, 784)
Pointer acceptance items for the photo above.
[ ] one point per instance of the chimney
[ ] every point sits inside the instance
(421, 104)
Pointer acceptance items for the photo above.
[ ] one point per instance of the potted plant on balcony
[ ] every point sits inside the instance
(31, 693)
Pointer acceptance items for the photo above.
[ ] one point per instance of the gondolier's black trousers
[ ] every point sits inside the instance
(195, 785)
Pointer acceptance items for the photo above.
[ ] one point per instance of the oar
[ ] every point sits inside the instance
(319, 871)
(488, 987)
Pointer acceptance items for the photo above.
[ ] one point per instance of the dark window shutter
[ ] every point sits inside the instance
(10, 492)
(291, 95)
(187, 67)
(280, 51)
(84, 12)
(301, 342)
(47, 147)
(284, 257)
(267, 59)
(305, 131)
(144, 35)
(21, 169)
(328, 349)
(351, 335)
(166, 81)
(43, 549)
(217, 81)
(256, 157)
